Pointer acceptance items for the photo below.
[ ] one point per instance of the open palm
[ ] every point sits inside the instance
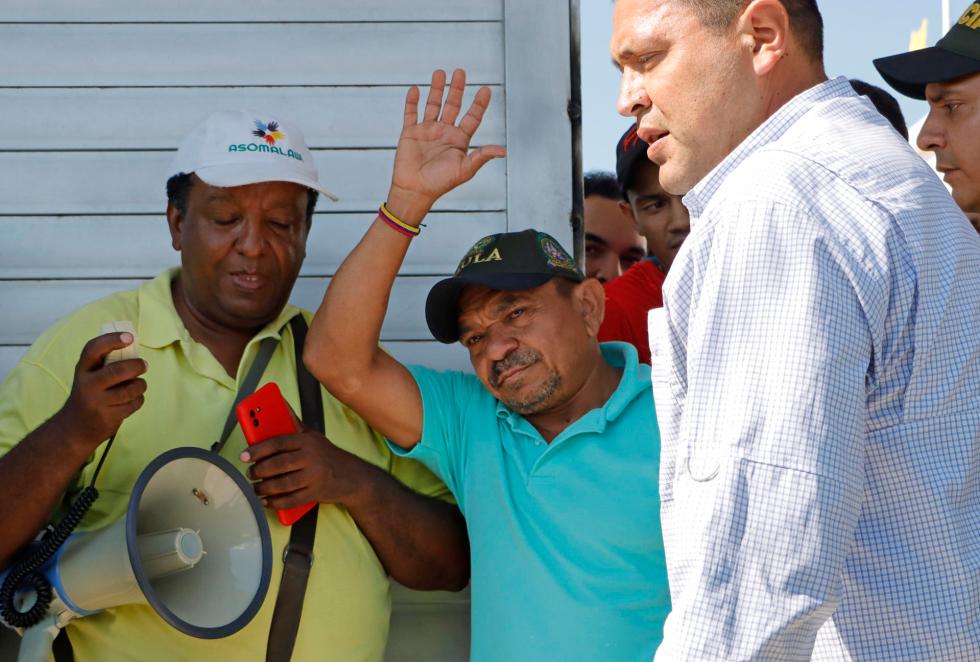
(433, 155)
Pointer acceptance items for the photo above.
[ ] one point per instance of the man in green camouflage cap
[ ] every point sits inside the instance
(948, 77)
(552, 448)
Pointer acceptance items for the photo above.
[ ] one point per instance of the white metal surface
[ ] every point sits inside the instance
(154, 54)
(101, 119)
(250, 10)
(539, 135)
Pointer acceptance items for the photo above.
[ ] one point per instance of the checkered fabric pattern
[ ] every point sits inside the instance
(819, 401)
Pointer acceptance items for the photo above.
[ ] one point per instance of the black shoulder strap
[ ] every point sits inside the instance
(298, 556)
(61, 648)
(252, 377)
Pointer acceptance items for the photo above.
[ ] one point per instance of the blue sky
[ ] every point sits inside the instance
(855, 32)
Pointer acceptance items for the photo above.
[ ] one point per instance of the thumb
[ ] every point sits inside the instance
(479, 157)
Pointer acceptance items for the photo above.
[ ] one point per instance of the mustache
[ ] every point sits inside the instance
(517, 359)
(945, 160)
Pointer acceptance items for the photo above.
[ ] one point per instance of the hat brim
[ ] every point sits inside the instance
(243, 174)
(909, 73)
(625, 168)
(442, 304)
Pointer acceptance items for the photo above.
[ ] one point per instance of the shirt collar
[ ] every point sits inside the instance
(772, 129)
(159, 324)
(657, 263)
(618, 355)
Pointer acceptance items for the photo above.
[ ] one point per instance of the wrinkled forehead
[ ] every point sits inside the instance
(477, 302)
(478, 298)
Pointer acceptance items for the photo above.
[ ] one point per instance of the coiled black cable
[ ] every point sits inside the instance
(24, 575)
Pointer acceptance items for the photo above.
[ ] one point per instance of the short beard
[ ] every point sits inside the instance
(536, 401)
(523, 358)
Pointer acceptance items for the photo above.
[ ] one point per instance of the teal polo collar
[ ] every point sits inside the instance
(618, 355)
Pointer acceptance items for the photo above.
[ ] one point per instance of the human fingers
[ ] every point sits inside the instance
(454, 100)
(281, 485)
(290, 500)
(127, 409)
(434, 101)
(114, 374)
(125, 392)
(411, 107)
(260, 451)
(97, 349)
(474, 116)
(478, 157)
(278, 465)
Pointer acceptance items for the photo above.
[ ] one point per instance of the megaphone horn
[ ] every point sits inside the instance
(194, 545)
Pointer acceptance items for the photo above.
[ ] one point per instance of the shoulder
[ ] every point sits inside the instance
(455, 381)
(638, 286)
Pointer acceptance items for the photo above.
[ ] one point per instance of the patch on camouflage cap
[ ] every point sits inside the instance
(556, 255)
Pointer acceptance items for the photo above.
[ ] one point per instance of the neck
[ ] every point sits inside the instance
(226, 344)
(789, 80)
(599, 385)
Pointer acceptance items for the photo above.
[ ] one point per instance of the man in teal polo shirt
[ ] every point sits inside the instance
(551, 449)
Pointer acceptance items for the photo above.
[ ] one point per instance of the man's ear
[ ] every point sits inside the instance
(765, 25)
(175, 221)
(626, 209)
(591, 297)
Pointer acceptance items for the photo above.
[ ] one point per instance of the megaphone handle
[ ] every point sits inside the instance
(35, 646)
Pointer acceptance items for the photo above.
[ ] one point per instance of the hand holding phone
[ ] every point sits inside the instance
(264, 415)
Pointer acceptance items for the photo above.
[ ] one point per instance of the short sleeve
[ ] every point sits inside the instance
(445, 397)
(29, 396)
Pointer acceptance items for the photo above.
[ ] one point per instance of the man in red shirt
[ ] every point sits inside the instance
(612, 242)
(663, 220)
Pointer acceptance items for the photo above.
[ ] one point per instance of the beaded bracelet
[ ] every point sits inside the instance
(396, 223)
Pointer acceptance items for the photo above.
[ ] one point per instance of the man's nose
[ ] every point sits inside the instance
(251, 239)
(633, 98)
(932, 138)
(603, 267)
(500, 342)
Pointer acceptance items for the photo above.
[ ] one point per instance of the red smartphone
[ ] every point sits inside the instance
(264, 415)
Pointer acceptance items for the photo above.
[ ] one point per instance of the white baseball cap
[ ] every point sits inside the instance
(239, 147)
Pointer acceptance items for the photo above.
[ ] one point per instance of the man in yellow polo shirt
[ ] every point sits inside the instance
(240, 219)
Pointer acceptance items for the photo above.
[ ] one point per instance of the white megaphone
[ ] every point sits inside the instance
(194, 545)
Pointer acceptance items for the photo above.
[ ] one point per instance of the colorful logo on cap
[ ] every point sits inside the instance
(630, 139)
(557, 257)
(270, 132)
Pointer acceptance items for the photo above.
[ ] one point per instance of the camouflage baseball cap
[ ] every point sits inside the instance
(506, 261)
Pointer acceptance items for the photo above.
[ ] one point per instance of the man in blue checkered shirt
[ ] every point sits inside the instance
(817, 363)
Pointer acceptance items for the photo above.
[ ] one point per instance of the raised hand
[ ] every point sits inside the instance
(434, 155)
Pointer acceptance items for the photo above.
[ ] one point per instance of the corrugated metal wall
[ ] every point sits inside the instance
(96, 95)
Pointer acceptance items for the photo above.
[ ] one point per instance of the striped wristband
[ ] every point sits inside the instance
(396, 223)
